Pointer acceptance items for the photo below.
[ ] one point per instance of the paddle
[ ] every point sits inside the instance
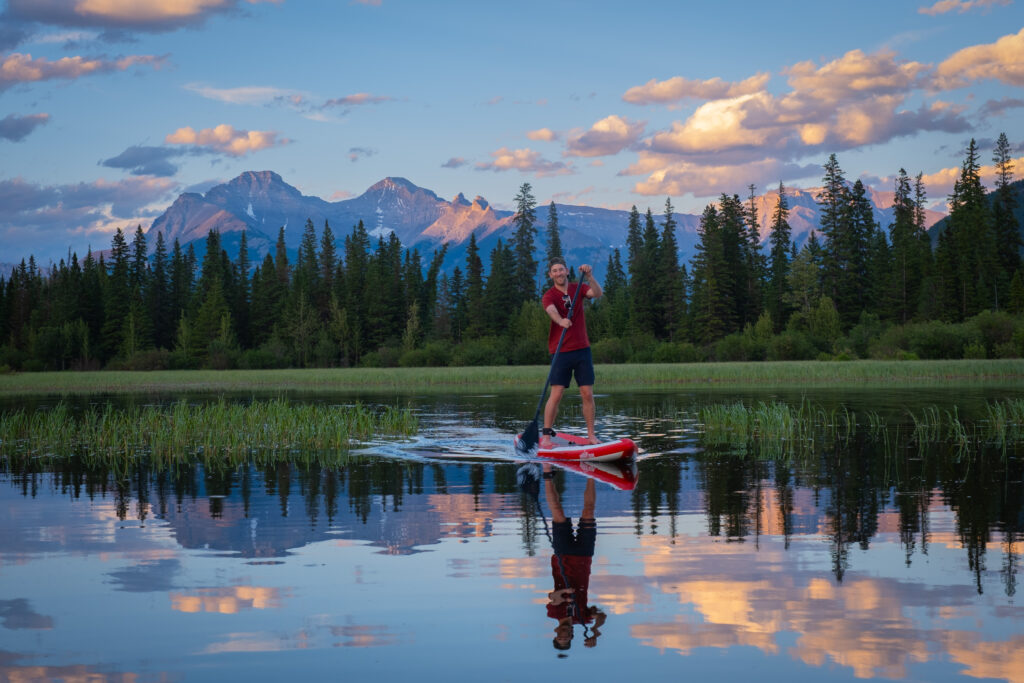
(531, 435)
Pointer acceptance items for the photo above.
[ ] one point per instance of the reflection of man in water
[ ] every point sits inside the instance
(570, 566)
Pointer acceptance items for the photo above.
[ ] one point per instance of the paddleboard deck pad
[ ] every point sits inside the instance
(572, 448)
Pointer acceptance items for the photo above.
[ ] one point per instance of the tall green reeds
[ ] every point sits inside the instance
(778, 429)
(183, 431)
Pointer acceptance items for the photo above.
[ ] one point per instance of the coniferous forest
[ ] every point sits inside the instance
(855, 289)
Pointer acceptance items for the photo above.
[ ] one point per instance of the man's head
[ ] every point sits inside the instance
(557, 270)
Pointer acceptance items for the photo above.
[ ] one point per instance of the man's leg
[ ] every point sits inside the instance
(551, 407)
(587, 394)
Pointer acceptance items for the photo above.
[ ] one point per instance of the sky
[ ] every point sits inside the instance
(109, 109)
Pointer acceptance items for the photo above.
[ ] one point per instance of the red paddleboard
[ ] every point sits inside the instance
(621, 475)
(572, 448)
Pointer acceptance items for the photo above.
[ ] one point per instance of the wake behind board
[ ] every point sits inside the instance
(572, 448)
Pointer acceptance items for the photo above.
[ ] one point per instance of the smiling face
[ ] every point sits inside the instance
(559, 274)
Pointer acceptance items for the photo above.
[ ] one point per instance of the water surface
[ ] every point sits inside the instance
(425, 558)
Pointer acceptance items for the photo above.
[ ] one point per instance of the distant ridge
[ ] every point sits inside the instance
(262, 203)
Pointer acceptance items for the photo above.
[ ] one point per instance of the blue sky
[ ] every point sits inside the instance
(111, 108)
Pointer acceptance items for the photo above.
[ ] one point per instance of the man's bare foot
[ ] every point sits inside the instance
(593, 440)
(545, 442)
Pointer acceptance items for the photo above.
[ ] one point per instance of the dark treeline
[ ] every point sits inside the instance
(861, 290)
(853, 488)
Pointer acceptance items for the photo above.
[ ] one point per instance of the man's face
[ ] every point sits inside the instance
(558, 274)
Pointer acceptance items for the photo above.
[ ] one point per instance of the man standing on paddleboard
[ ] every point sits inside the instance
(574, 358)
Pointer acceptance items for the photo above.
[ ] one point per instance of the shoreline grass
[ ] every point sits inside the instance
(466, 379)
(221, 431)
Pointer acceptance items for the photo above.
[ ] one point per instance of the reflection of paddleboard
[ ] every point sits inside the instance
(572, 448)
(621, 475)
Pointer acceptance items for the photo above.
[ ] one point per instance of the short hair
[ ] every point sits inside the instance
(558, 260)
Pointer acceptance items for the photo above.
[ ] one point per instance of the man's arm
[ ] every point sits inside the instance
(556, 317)
(595, 291)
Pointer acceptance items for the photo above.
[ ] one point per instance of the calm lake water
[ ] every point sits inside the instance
(425, 558)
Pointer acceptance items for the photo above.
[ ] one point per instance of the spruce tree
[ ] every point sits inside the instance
(1004, 218)
(117, 297)
(667, 275)
(554, 240)
(159, 296)
(473, 316)
(779, 259)
(524, 273)
(243, 292)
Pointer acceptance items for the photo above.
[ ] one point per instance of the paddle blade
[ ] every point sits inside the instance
(527, 443)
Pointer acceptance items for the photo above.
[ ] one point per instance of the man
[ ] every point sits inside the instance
(570, 567)
(574, 358)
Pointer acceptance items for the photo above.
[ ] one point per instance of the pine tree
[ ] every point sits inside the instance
(634, 243)
(525, 265)
(969, 253)
(1004, 219)
(474, 317)
(159, 296)
(671, 310)
(243, 292)
(305, 278)
(554, 240)
(645, 308)
(499, 303)
(712, 308)
(832, 202)
(754, 260)
(327, 270)
(779, 259)
(117, 297)
(907, 269)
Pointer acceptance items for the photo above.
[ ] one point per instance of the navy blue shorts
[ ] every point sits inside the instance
(579, 363)
(565, 542)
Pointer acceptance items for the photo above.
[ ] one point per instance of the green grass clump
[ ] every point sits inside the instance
(183, 431)
(777, 429)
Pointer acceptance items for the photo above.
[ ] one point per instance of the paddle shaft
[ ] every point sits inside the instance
(558, 348)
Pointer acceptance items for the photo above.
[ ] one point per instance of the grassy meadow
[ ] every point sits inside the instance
(459, 379)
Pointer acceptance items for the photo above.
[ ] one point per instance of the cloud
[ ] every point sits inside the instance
(849, 102)
(141, 160)
(120, 15)
(22, 68)
(338, 195)
(1000, 107)
(940, 183)
(1002, 60)
(610, 135)
(454, 162)
(370, 3)
(16, 128)
(961, 6)
(542, 135)
(67, 37)
(252, 95)
(679, 88)
(358, 99)
(357, 153)
(673, 177)
(226, 139)
(525, 161)
(855, 74)
(75, 215)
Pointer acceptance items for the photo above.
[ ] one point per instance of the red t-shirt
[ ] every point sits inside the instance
(577, 576)
(576, 335)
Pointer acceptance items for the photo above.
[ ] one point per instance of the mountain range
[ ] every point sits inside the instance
(261, 202)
